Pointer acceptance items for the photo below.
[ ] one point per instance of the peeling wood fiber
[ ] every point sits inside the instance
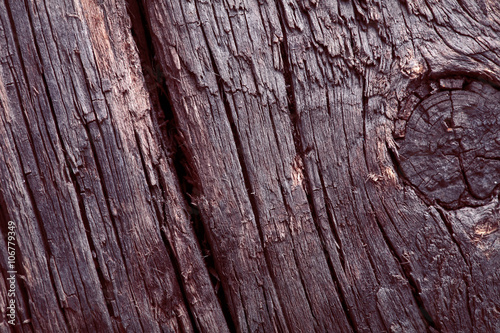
(250, 166)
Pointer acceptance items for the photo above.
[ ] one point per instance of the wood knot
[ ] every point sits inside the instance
(449, 141)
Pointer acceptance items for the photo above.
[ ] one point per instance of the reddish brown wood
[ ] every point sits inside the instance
(250, 166)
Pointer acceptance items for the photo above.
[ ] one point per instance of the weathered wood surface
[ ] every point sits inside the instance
(252, 166)
(87, 182)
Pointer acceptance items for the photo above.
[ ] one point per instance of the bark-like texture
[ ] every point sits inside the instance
(252, 166)
(87, 182)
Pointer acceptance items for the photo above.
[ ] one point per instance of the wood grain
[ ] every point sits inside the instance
(251, 166)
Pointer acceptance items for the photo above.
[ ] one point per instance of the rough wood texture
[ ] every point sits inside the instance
(450, 152)
(83, 176)
(251, 166)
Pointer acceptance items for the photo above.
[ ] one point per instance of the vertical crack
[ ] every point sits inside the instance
(403, 264)
(331, 220)
(405, 269)
(302, 152)
(328, 205)
(244, 169)
(174, 146)
(178, 276)
(449, 227)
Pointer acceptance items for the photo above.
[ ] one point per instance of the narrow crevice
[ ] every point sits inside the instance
(314, 216)
(174, 147)
(331, 220)
(447, 223)
(244, 170)
(333, 227)
(406, 270)
(404, 265)
(155, 84)
(178, 276)
(296, 261)
(462, 200)
(329, 208)
(399, 172)
(395, 162)
(302, 152)
(190, 192)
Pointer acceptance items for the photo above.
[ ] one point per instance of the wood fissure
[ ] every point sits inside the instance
(298, 142)
(241, 160)
(178, 275)
(162, 217)
(406, 270)
(403, 263)
(251, 166)
(179, 161)
(467, 279)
